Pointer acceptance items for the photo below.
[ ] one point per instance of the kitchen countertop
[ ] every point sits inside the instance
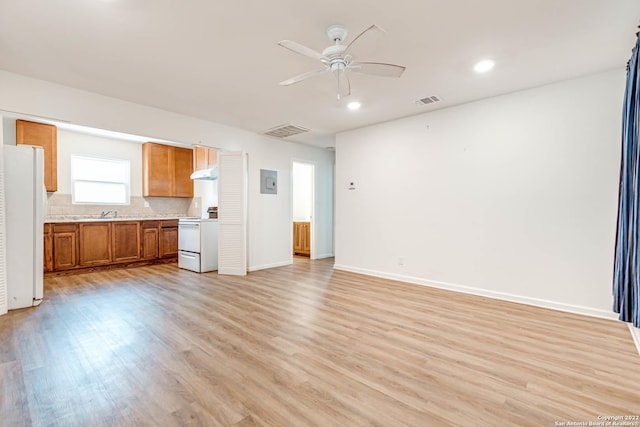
(107, 219)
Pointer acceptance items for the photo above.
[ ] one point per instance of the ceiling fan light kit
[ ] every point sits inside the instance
(338, 61)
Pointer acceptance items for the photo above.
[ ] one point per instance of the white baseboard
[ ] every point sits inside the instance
(265, 266)
(577, 309)
(635, 333)
(323, 256)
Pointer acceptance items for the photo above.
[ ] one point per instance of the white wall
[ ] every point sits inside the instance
(269, 216)
(512, 197)
(77, 143)
(208, 192)
(9, 130)
(302, 175)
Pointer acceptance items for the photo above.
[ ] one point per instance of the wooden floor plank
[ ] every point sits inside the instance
(302, 345)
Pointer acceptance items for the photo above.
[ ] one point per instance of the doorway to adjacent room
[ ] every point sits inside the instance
(303, 177)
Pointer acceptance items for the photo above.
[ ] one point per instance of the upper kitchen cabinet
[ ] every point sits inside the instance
(45, 136)
(204, 158)
(157, 170)
(166, 171)
(183, 167)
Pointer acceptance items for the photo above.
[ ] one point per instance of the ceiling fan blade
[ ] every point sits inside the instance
(302, 77)
(371, 30)
(377, 68)
(302, 50)
(344, 87)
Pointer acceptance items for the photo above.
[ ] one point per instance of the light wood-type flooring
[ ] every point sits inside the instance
(302, 345)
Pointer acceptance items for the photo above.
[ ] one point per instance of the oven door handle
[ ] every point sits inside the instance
(188, 226)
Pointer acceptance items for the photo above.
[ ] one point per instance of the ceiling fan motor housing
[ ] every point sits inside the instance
(334, 51)
(337, 62)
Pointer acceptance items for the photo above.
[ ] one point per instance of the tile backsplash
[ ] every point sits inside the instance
(59, 207)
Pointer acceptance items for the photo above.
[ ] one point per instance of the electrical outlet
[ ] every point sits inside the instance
(146, 203)
(195, 205)
(400, 260)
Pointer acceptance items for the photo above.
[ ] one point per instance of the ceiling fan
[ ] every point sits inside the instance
(337, 60)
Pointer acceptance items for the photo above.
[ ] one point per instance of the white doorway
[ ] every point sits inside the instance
(303, 208)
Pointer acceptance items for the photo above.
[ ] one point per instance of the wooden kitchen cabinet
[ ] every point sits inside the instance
(166, 171)
(204, 158)
(65, 241)
(183, 167)
(48, 247)
(157, 171)
(302, 238)
(94, 243)
(150, 239)
(90, 245)
(160, 239)
(169, 239)
(125, 241)
(45, 136)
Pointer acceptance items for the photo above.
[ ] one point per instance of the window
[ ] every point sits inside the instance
(99, 181)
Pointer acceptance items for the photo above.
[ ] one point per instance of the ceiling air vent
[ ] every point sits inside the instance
(428, 100)
(285, 131)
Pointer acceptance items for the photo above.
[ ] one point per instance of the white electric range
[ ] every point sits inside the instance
(198, 244)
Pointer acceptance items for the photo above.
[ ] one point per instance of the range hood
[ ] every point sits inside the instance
(209, 174)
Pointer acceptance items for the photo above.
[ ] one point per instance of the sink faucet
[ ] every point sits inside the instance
(104, 214)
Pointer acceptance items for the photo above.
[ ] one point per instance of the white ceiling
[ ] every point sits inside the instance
(219, 60)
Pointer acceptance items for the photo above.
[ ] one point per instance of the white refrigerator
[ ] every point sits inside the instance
(24, 200)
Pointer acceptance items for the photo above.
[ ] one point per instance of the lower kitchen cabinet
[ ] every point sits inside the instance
(150, 239)
(159, 239)
(169, 239)
(94, 244)
(65, 242)
(125, 240)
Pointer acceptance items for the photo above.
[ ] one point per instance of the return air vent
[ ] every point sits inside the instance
(286, 130)
(428, 100)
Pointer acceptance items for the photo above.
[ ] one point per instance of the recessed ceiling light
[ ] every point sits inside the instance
(484, 66)
(355, 105)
